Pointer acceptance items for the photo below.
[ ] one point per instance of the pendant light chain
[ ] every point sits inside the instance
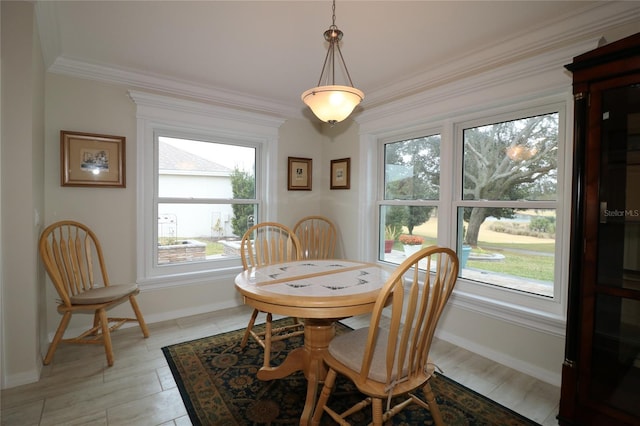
(333, 17)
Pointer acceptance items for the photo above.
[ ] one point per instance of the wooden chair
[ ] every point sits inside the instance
(317, 235)
(268, 243)
(384, 363)
(73, 259)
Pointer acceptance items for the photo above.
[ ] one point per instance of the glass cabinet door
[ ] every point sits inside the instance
(615, 362)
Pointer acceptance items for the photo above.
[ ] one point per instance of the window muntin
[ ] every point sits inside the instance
(411, 192)
(205, 199)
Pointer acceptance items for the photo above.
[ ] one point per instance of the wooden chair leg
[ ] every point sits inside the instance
(267, 341)
(247, 332)
(96, 322)
(329, 382)
(64, 322)
(433, 405)
(106, 336)
(376, 411)
(136, 310)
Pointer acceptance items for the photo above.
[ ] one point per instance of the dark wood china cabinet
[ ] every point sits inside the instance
(601, 371)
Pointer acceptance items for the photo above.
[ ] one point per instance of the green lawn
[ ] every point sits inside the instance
(534, 261)
(521, 260)
(213, 247)
(519, 265)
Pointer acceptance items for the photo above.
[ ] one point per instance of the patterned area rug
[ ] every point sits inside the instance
(218, 384)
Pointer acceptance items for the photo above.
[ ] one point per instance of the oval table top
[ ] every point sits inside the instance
(313, 288)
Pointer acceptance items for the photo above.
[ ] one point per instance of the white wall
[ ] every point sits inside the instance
(22, 196)
(300, 138)
(1, 258)
(344, 206)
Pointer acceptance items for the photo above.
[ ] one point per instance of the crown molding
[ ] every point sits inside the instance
(539, 75)
(565, 30)
(150, 103)
(171, 86)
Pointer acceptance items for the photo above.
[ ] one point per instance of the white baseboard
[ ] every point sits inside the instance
(23, 378)
(182, 313)
(544, 375)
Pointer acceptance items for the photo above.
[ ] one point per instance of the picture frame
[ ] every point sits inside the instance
(90, 159)
(340, 174)
(299, 174)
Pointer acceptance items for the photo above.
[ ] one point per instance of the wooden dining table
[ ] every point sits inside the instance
(319, 291)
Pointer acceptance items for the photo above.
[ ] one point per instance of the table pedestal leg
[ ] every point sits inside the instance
(317, 336)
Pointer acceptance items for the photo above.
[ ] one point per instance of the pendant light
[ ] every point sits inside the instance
(330, 102)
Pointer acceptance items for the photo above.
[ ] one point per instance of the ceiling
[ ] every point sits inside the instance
(271, 51)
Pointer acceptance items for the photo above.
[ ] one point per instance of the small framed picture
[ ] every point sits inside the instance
(88, 159)
(340, 178)
(300, 173)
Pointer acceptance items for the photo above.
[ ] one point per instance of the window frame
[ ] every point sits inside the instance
(381, 201)
(159, 115)
(533, 310)
(208, 265)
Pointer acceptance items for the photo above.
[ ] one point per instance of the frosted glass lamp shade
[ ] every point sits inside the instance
(332, 104)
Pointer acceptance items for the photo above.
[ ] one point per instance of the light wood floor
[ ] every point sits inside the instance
(78, 389)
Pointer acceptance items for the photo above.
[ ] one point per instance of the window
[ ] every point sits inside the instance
(202, 174)
(497, 205)
(411, 190)
(506, 208)
(205, 201)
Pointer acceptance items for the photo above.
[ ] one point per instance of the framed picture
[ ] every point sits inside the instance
(340, 178)
(88, 159)
(300, 173)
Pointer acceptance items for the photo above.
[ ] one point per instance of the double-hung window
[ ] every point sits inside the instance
(410, 195)
(506, 202)
(202, 179)
(492, 188)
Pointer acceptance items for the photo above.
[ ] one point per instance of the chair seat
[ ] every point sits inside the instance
(349, 349)
(104, 294)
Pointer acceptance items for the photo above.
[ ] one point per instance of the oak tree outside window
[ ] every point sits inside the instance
(503, 200)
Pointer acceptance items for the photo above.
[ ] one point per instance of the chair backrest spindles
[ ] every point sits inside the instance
(317, 236)
(267, 243)
(72, 256)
